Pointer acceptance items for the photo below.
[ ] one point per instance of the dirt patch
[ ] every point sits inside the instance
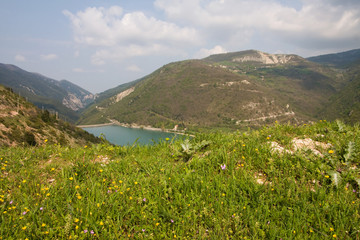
(101, 159)
(261, 178)
(300, 145)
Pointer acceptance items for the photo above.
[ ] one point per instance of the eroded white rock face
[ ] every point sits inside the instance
(75, 103)
(265, 58)
(72, 102)
(123, 94)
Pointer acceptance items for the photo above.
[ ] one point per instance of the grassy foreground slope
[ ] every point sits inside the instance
(250, 185)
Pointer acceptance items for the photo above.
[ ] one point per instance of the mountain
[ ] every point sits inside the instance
(345, 104)
(232, 90)
(338, 60)
(58, 96)
(22, 123)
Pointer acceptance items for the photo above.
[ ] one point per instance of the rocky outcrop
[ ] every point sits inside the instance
(123, 94)
(264, 58)
(77, 102)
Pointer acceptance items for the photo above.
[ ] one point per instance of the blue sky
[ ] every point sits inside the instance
(102, 44)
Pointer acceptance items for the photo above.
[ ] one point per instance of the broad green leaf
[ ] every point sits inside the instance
(350, 151)
(335, 177)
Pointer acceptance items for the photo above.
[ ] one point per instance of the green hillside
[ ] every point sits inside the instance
(234, 90)
(346, 103)
(280, 182)
(22, 124)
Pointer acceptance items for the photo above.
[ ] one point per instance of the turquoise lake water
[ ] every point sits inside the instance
(127, 136)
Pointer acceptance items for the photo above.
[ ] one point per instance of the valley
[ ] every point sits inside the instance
(263, 162)
(225, 91)
(232, 90)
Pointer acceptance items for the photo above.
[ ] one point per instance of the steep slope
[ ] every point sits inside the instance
(77, 98)
(21, 123)
(60, 96)
(346, 103)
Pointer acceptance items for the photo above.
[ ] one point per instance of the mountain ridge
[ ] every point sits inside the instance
(231, 90)
(241, 89)
(59, 96)
(339, 60)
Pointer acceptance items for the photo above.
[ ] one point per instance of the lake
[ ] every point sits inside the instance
(119, 135)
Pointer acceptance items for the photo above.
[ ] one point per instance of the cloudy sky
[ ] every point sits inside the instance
(102, 44)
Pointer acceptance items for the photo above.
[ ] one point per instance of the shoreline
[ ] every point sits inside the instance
(136, 126)
(95, 125)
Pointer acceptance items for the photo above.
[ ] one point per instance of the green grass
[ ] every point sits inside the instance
(179, 189)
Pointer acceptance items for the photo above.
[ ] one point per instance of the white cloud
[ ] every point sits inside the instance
(193, 27)
(48, 57)
(133, 68)
(100, 57)
(330, 21)
(207, 52)
(134, 33)
(20, 58)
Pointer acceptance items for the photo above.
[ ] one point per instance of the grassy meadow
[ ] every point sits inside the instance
(213, 186)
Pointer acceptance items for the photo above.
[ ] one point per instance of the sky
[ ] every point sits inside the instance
(99, 45)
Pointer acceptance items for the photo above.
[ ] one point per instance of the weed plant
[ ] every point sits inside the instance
(213, 186)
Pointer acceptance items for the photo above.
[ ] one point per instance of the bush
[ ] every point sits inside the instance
(30, 138)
